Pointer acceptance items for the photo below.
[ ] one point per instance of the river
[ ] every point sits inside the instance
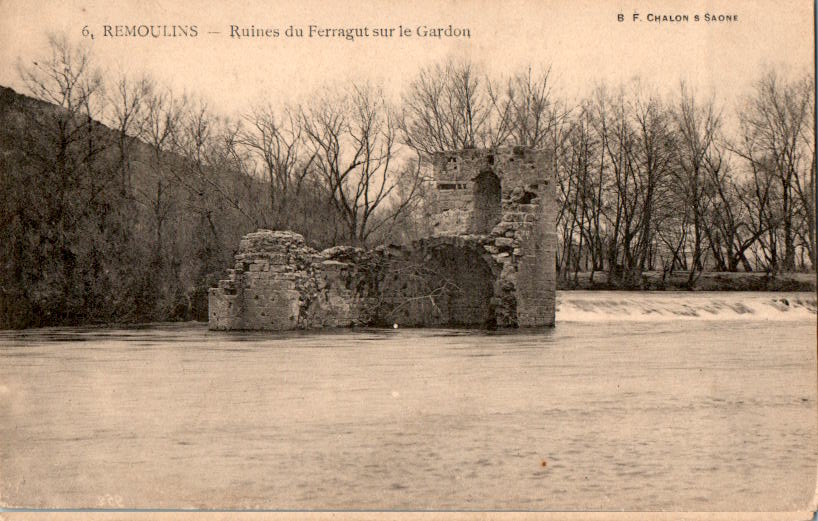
(684, 401)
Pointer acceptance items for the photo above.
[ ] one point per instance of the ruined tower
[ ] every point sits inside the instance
(509, 195)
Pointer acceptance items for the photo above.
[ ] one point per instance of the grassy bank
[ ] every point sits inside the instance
(678, 281)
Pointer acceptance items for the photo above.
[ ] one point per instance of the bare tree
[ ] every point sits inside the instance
(65, 145)
(623, 198)
(126, 102)
(737, 215)
(447, 107)
(656, 148)
(777, 137)
(696, 127)
(160, 123)
(353, 139)
(525, 108)
(277, 143)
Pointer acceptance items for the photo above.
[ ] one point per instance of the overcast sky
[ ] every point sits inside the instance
(583, 41)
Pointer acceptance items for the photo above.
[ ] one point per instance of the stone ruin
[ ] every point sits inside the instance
(490, 261)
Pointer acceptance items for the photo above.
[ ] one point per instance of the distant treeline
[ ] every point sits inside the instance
(122, 201)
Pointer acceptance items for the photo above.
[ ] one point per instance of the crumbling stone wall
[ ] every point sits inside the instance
(280, 283)
(490, 261)
(440, 281)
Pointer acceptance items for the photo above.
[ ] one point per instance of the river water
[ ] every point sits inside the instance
(688, 401)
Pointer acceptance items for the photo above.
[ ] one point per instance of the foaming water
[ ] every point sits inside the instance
(660, 414)
(591, 306)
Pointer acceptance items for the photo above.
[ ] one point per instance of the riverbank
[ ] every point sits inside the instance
(712, 281)
(651, 282)
(571, 306)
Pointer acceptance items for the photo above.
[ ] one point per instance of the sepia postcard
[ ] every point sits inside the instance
(458, 259)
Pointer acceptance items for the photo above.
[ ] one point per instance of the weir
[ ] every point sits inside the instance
(659, 306)
(489, 262)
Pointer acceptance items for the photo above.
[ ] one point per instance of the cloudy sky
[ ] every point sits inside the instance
(583, 41)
